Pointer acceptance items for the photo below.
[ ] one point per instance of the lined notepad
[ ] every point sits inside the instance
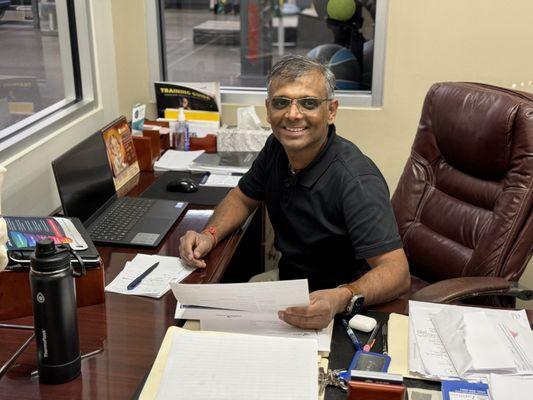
(209, 365)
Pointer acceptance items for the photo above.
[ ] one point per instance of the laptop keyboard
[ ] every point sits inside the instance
(119, 218)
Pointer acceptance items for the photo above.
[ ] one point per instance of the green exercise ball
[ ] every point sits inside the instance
(341, 10)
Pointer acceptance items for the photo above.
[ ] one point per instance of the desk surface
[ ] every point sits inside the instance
(126, 330)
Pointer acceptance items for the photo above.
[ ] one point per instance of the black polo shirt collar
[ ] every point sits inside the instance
(310, 174)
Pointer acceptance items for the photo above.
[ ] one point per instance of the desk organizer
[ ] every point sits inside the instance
(15, 293)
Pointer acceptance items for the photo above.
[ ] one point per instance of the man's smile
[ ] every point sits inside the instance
(295, 130)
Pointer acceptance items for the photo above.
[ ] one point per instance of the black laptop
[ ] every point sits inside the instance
(85, 184)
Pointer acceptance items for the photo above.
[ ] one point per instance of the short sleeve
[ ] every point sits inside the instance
(252, 183)
(369, 217)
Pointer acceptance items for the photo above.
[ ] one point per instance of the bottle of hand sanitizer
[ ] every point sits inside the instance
(182, 132)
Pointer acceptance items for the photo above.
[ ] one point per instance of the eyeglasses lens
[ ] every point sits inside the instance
(305, 103)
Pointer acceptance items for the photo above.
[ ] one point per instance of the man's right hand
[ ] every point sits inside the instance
(194, 246)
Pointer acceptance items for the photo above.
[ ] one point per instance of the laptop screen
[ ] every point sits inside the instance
(83, 177)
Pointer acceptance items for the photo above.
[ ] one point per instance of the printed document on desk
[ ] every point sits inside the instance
(448, 341)
(256, 296)
(247, 308)
(266, 325)
(157, 283)
(222, 180)
(176, 160)
(505, 387)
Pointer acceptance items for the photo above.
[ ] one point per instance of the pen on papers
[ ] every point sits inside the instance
(384, 333)
(351, 335)
(371, 339)
(139, 279)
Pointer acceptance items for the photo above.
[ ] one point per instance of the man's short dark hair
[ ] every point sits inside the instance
(292, 67)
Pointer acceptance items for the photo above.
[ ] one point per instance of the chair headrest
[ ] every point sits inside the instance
(473, 126)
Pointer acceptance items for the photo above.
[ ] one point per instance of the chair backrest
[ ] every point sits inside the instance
(464, 202)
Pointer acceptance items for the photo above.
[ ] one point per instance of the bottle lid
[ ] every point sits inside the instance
(49, 257)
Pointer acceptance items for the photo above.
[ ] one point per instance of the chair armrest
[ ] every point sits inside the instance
(456, 289)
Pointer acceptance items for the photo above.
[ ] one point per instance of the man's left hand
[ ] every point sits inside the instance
(324, 304)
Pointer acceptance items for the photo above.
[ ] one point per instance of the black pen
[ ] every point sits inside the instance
(371, 339)
(351, 335)
(384, 333)
(139, 279)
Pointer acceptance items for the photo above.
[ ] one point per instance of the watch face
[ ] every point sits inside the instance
(356, 304)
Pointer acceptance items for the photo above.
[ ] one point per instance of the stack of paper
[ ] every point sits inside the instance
(176, 160)
(247, 308)
(157, 283)
(447, 342)
(207, 365)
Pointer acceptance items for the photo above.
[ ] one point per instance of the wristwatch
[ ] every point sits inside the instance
(355, 305)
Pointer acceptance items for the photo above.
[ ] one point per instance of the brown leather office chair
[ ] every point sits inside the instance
(464, 203)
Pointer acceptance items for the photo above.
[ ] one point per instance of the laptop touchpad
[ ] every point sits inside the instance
(145, 238)
(148, 230)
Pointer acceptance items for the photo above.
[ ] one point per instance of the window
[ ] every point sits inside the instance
(40, 72)
(237, 41)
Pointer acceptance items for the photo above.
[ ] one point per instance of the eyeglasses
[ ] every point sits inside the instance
(304, 104)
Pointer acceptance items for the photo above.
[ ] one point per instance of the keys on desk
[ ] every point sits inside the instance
(330, 378)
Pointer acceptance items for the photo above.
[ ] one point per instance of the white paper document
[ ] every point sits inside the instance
(466, 338)
(215, 366)
(504, 387)
(157, 283)
(256, 296)
(447, 341)
(250, 308)
(266, 325)
(222, 180)
(176, 160)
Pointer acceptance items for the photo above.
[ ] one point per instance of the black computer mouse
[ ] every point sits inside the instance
(184, 185)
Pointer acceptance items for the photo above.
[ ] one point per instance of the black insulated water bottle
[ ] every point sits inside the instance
(54, 312)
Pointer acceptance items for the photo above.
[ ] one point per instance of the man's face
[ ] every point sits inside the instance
(115, 147)
(299, 130)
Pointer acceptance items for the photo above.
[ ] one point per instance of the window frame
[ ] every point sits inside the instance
(255, 96)
(79, 86)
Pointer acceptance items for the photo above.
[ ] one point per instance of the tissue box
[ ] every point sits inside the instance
(235, 139)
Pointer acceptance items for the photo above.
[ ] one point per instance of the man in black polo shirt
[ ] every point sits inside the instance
(328, 203)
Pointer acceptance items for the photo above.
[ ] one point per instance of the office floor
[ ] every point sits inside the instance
(187, 61)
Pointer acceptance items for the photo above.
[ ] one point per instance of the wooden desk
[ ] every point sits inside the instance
(127, 330)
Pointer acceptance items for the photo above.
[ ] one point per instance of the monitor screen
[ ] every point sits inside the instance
(84, 178)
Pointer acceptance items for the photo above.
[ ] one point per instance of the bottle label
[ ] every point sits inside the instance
(45, 343)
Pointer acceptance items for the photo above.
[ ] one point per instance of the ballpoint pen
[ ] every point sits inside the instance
(139, 279)
(371, 339)
(384, 333)
(351, 335)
